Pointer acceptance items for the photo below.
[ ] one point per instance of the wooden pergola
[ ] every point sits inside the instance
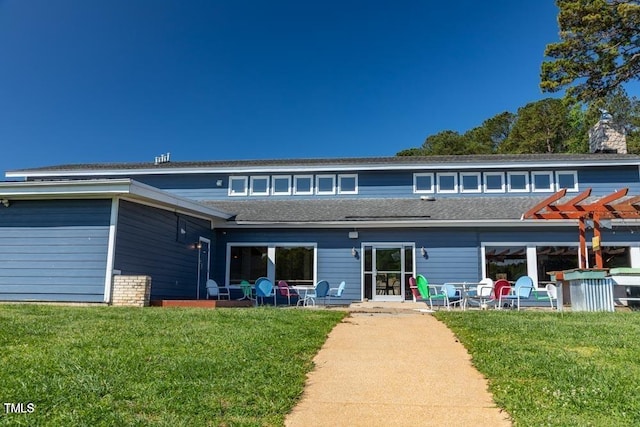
(607, 207)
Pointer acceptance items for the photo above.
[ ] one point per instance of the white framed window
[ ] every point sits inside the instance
(348, 184)
(294, 262)
(518, 182)
(470, 182)
(302, 185)
(238, 186)
(325, 184)
(259, 186)
(447, 182)
(423, 183)
(281, 185)
(567, 179)
(494, 182)
(541, 181)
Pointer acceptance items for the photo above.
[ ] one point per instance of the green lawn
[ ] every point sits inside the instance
(572, 369)
(107, 366)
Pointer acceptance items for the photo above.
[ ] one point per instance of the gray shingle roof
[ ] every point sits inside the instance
(391, 210)
(356, 161)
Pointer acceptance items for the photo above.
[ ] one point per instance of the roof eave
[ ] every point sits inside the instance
(325, 167)
(398, 224)
(104, 188)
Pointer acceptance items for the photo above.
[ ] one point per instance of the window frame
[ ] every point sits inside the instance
(492, 190)
(333, 184)
(243, 178)
(534, 189)
(455, 182)
(259, 178)
(477, 189)
(574, 173)
(296, 191)
(417, 175)
(275, 178)
(348, 175)
(270, 258)
(527, 181)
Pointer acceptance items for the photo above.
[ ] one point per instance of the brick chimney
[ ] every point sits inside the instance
(607, 137)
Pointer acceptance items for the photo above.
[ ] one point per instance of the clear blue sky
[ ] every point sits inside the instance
(126, 80)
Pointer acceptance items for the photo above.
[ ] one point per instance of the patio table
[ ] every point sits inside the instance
(464, 288)
(303, 291)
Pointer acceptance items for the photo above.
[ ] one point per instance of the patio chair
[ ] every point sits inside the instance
(448, 294)
(286, 291)
(215, 291)
(521, 290)
(415, 291)
(451, 296)
(501, 288)
(320, 290)
(482, 294)
(336, 292)
(264, 289)
(550, 294)
(422, 291)
(247, 292)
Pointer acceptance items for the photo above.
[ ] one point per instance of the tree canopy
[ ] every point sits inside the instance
(599, 48)
(598, 52)
(541, 127)
(546, 126)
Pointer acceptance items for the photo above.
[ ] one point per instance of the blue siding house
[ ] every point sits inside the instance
(67, 230)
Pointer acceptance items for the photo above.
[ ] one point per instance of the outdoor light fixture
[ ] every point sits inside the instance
(219, 183)
(5, 202)
(354, 252)
(423, 251)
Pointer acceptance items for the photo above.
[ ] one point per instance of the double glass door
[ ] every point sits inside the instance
(386, 271)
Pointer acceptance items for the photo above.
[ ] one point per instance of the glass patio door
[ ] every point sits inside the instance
(386, 269)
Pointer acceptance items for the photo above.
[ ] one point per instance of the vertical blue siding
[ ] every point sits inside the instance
(54, 250)
(147, 244)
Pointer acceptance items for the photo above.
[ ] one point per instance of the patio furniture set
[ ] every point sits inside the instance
(303, 295)
(484, 294)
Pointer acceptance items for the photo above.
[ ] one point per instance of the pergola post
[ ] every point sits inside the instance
(582, 253)
(596, 236)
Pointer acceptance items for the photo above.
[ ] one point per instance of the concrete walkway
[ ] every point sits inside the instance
(391, 365)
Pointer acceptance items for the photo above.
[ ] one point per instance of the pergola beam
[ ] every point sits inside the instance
(544, 204)
(603, 208)
(573, 203)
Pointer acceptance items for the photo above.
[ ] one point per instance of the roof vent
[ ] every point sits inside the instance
(162, 158)
(428, 198)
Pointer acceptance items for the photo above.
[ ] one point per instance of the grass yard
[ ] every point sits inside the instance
(550, 369)
(106, 366)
